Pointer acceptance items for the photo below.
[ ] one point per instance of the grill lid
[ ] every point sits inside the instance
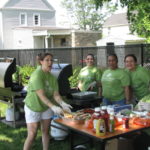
(62, 72)
(7, 68)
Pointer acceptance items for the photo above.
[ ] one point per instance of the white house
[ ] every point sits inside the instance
(32, 24)
(116, 31)
(118, 38)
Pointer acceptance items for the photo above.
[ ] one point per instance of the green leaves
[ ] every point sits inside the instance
(74, 78)
(85, 15)
(146, 98)
(25, 73)
(138, 15)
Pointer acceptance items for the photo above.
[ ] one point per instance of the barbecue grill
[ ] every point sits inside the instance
(78, 99)
(10, 93)
(62, 72)
(7, 68)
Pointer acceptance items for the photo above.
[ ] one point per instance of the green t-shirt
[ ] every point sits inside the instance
(40, 80)
(113, 83)
(87, 75)
(140, 81)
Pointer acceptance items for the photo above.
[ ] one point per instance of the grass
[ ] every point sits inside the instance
(13, 139)
(3, 108)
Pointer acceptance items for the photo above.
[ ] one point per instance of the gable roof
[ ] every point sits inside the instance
(26, 4)
(116, 20)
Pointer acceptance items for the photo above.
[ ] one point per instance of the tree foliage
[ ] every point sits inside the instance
(138, 15)
(85, 14)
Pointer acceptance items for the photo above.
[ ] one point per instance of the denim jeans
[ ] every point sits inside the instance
(118, 102)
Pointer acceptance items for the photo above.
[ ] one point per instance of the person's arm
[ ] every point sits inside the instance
(57, 97)
(60, 101)
(79, 86)
(43, 98)
(47, 102)
(127, 94)
(99, 85)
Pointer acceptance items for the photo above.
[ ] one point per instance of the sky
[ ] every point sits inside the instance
(62, 19)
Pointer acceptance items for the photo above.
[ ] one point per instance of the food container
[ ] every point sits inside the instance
(80, 117)
(84, 95)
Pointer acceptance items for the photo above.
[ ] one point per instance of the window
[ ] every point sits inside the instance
(36, 19)
(63, 42)
(23, 19)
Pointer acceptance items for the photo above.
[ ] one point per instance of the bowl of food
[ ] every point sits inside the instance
(80, 118)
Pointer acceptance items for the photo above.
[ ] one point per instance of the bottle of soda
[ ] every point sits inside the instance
(125, 124)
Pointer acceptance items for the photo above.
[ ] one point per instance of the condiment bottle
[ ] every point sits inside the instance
(111, 122)
(100, 127)
(89, 123)
(105, 116)
(96, 115)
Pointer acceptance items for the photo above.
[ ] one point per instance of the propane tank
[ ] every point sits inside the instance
(58, 132)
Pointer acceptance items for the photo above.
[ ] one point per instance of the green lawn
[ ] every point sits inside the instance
(13, 139)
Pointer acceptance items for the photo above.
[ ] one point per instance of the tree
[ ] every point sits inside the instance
(85, 14)
(138, 15)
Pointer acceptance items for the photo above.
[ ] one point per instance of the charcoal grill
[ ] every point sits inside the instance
(8, 94)
(78, 99)
(7, 68)
(62, 72)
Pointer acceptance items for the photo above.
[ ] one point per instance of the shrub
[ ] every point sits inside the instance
(74, 78)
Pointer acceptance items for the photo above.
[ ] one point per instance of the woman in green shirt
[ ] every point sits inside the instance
(42, 95)
(115, 83)
(90, 76)
(140, 77)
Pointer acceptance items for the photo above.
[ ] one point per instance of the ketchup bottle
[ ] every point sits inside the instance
(105, 116)
(95, 117)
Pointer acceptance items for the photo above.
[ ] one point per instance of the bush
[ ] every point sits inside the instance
(74, 78)
(25, 73)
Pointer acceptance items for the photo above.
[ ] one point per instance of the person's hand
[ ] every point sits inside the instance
(66, 106)
(57, 110)
(92, 85)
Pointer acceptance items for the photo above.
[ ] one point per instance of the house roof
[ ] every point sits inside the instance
(116, 20)
(26, 4)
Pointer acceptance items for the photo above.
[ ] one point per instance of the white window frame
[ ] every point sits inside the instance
(20, 19)
(39, 22)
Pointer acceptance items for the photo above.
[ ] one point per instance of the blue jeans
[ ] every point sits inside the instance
(118, 102)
